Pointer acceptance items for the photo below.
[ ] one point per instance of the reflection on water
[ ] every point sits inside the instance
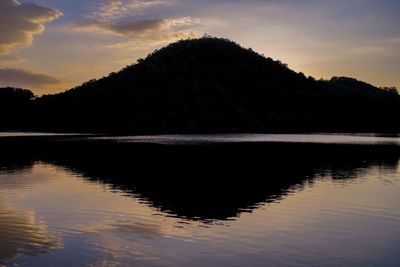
(32, 134)
(100, 203)
(260, 138)
(21, 233)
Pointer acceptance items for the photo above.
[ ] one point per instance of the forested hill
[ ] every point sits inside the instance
(207, 85)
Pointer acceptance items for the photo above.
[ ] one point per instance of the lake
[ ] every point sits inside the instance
(199, 200)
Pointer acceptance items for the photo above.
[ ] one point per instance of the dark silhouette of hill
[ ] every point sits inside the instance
(211, 85)
(15, 104)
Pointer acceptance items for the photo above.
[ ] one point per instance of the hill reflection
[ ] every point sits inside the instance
(210, 182)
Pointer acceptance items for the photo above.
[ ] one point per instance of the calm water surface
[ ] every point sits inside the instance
(33, 134)
(248, 138)
(103, 204)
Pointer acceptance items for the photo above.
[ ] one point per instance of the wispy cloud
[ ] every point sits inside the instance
(153, 40)
(27, 79)
(10, 59)
(138, 23)
(107, 10)
(137, 27)
(19, 22)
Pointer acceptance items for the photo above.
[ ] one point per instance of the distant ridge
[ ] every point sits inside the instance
(206, 85)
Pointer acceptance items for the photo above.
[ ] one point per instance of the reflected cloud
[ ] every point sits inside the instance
(121, 227)
(137, 228)
(21, 233)
(23, 174)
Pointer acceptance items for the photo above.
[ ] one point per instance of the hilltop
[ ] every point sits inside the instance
(210, 85)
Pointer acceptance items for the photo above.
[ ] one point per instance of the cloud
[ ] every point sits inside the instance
(153, 40)
(26, 79)
(136, 23)
(122, 28)
(113, 9)
(147, 32)
(136, 27)
(19, 22)
(10, 59)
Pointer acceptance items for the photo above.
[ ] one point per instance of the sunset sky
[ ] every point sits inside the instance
(52, 45)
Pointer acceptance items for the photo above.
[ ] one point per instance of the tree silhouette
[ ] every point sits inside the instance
(211, 85)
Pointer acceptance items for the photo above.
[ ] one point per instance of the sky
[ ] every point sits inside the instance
(49, 46)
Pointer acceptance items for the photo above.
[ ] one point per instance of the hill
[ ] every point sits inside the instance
(211, 85)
